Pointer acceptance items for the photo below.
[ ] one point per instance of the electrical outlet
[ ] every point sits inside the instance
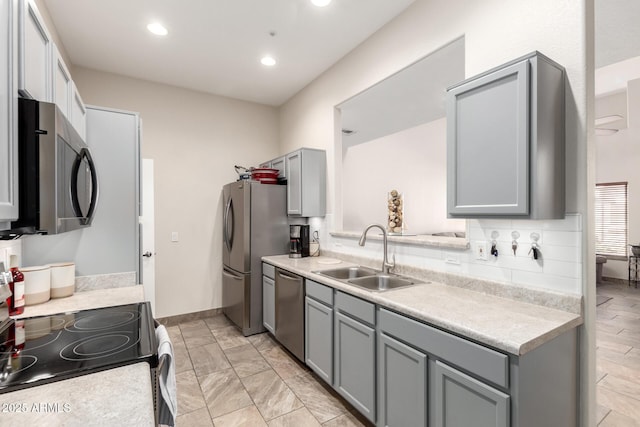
(174, 236)
(480, 248)
(452, 259)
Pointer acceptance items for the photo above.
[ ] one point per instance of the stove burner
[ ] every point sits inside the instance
(49, 339)
(97, 322)
(22, 363)
(97, 347)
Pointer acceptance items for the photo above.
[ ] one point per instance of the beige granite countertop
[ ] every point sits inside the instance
(88, 400)
(515, 327)
(86, 300)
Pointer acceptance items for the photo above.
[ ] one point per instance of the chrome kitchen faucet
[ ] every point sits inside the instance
(386, 265)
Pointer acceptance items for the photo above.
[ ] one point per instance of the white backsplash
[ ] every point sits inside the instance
(105, 281)
(559, 268)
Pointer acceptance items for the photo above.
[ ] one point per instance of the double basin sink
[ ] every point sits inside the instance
(368, 278)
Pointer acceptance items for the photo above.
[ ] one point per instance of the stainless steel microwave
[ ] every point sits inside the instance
(58, 185)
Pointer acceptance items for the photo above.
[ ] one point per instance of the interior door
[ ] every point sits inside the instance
(147, 238)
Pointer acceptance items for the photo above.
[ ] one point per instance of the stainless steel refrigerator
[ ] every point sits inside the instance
(254, 225)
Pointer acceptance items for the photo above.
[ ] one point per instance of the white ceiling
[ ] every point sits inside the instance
(215, 46)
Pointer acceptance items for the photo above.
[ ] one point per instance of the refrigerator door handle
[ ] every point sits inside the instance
(225, 229)
(232, 276)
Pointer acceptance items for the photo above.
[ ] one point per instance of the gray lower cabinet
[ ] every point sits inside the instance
(402, 384)
(399, 371)
(269, 297)
(355, 363)
(319, 338)
(458, 400)
(355, 355)
(268, 304)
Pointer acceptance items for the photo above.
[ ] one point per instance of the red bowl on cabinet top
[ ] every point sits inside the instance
(268, 173)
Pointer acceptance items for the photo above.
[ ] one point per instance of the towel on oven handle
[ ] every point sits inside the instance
(168, 404)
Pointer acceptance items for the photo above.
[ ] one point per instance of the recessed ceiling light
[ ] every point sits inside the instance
(320, 3)
(157, 29)
(268, 61)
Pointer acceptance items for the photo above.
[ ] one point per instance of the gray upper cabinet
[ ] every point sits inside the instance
(279, 164)
(35, 54)
(8, 115)
(306, 182)
(505, 142)
(62, 83)
(78, 112)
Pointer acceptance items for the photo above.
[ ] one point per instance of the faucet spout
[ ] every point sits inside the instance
(386, 265)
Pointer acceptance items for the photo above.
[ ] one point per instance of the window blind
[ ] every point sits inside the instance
(611, 219)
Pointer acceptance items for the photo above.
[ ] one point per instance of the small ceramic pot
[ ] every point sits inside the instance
(37, 284)
(63, 279)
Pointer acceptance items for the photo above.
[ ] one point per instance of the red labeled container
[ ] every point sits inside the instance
(16, 300)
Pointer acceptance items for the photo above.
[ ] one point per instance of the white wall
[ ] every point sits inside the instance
(194, 139)
(495, 32)
(617, 160)
(413, 162)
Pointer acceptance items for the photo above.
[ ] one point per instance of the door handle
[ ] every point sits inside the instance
(232, 276)
(147, 254)
(225, 228)
(286, 276)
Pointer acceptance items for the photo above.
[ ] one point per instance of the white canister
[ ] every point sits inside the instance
(63, 279)
(37, 284)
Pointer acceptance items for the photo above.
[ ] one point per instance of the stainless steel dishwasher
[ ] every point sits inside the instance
(290, 312)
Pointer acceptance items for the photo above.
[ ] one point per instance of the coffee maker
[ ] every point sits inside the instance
(298, 241)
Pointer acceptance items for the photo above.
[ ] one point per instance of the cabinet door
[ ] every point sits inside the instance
(268, 304)
(8, 116)
(319, 338)
(488, 144)
(402, 384)
(78, 112)
(279, 164)
(294, 183)
(61, 83)
(34, 71)
(354, 364)
(458, 400)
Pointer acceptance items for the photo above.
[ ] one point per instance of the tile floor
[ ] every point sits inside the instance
(225, 379)
(618, 356)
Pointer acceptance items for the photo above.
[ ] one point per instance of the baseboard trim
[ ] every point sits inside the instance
(188, 317)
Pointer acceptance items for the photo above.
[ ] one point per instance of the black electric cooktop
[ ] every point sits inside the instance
(43, 349)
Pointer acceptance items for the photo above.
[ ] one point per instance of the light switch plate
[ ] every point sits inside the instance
(480, 249)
